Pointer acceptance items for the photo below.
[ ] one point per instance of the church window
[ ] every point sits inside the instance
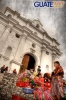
(47, 68)
(37, 25)
(17, 35)
(47, 52)
(8, 51)
(9, 15)
(33, 45)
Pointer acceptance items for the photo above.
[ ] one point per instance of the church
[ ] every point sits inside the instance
(23, 41)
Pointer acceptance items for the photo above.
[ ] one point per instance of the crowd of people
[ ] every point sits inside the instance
(52, 82)
(49, 81)
(4, 69)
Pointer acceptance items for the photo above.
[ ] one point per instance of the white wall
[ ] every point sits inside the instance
(14, 66)
(2, 28)
(17, 53)
(46, 60)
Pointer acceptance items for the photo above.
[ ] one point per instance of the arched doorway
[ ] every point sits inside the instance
(31, 63)
(28, 62)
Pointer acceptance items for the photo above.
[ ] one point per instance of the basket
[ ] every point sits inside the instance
(27, 90)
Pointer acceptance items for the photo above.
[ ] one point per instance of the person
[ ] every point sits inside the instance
(3, 69)
(39, 70)
(47, 80)
(42, 93)
(47, 77)
(57, 82)
(30, 73)
(41, 79)
(14, 71)
(6, 69)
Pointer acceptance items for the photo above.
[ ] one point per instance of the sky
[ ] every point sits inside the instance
(53, 19)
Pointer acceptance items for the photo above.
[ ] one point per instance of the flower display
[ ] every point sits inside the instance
(36, 84)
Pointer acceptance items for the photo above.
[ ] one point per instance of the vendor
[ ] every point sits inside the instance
(47, 77)
(57, 81)
(47, 81)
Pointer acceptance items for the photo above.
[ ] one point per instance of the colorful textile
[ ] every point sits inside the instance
(42, 95)
(47, 95)
(16, 97)
(58, 71)
(57, 87)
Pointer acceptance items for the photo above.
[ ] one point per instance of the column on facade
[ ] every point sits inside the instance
(20, 48)
(2, 30)
(53, 59)
(42, 64)
(4, 37)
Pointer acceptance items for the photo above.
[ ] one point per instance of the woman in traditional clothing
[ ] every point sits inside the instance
(57, 82)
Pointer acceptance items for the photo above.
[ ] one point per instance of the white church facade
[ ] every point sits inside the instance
(20, 36)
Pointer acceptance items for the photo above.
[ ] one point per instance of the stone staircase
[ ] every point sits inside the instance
(8, 87)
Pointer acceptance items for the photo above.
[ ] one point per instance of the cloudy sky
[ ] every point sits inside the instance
(53, 19)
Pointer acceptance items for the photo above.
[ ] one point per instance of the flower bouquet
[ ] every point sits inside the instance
(23, 80)
(26, 82)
